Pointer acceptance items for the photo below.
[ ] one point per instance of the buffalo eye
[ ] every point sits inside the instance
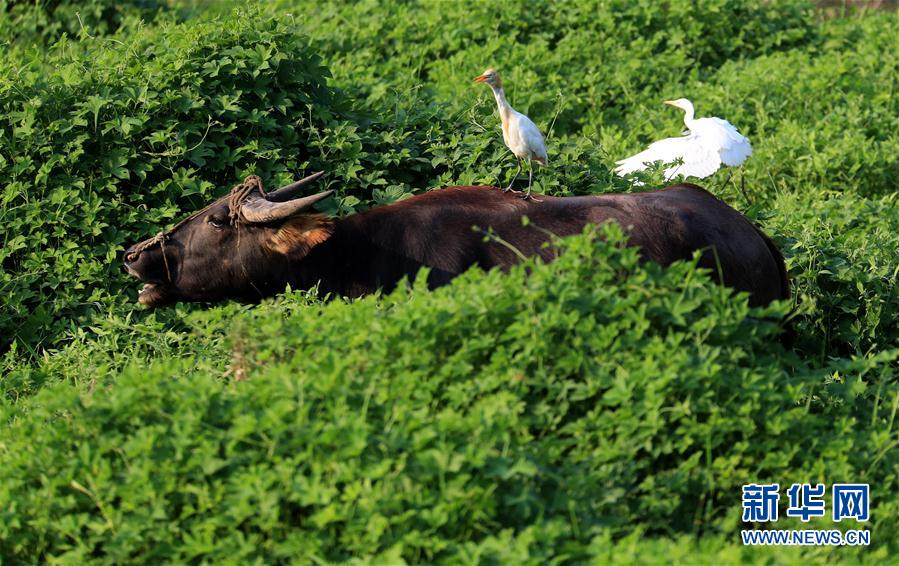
(216, 223)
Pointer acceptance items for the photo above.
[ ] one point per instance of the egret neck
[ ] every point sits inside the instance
(687, 107)
(501, 102)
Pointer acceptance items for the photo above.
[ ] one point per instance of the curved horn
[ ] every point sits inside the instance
(287, 191)
(259, 209)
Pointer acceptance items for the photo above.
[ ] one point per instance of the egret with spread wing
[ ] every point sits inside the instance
(707, 143)
(520, 134)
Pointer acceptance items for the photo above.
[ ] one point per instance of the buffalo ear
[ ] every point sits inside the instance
(299, 234)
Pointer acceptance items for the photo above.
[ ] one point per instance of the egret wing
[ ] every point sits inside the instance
(531, 139)
(666, 151)
(699, 159)
(732, 147)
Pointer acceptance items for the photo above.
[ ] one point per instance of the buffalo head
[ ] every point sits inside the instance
(238, 247)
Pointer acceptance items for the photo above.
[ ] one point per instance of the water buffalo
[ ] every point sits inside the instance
(249, 245)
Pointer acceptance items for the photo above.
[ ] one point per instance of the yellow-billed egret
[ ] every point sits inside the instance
(520, 134)
(707, 143)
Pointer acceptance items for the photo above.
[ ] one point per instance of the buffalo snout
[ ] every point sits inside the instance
(147, 263)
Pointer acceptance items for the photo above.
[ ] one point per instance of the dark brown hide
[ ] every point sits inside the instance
(361, 253)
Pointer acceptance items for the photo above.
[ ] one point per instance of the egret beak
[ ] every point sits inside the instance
(671, 103)
(480, 79)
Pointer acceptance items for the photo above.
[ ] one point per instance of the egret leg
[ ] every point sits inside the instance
(527, 195)
(743, 188)
(515, 178)
(729, 175)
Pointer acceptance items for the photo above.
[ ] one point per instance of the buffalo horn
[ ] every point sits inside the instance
(259, 209)
(288, 191)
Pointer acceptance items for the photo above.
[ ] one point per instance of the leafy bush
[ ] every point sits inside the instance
(559, 403)
(843, 254)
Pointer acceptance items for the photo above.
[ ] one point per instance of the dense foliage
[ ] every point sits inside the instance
(585, 397)
(591, 408)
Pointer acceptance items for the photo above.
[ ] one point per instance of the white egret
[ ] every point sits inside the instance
(520, 134)
(707, 143)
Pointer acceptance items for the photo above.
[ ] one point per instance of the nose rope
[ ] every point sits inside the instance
(165, 259)
(237, 196)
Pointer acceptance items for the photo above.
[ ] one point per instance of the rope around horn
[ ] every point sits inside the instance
(240, 194)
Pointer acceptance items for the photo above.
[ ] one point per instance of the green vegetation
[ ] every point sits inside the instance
(589, 409)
